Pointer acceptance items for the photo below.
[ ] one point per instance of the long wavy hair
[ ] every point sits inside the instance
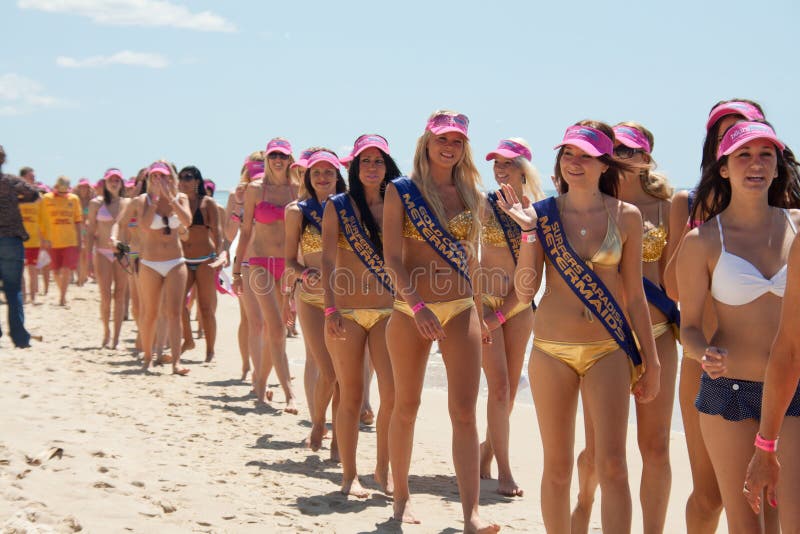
(466, 178)
(107, 195)
(360, 199)
(270, 178)
(194, 172)
(653, 183)
(531, 180)
(609, 180)
(713, 193)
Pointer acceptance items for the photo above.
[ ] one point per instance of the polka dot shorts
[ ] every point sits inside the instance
(736, 400)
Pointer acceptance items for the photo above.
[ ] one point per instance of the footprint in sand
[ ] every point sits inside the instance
(102, 485)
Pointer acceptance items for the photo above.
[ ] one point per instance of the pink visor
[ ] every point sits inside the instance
(632, 137)
(279, 145)
(160, 168)
(590, 140)
(254, 168)
(746, 110)
(444, 123)
(210, 185)
(303, 161)
(742, 133)
(509, 149)
(100, 182)
(113, 172)
(84, 181)
(130, 183)
(364, 142)
(323, 156)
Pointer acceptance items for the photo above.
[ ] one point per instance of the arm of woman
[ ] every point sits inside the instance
(91, 219)
(293, 224)
(678, 227)
(251, 195)
(214, 225)
(428, 325)
(649, 383)
(694, 281)
(330, 237)
(780, 383)
(232, 220)
(119, 230)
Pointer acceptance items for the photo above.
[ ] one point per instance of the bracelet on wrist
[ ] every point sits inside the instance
(524, 231)
(500, 316)
(330, 311)
(768, 445)
(528, 237)
(417, 307)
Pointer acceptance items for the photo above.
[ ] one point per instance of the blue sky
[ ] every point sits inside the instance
(89, 84)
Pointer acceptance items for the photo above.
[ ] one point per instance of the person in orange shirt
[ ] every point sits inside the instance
(31, 213)
(62, 220)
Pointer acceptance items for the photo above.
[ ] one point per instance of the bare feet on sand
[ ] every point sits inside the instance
(478, 526)
(383, 477)
(180, 371)
(314, 441)
(355, 489)
(209, 357)
(245, 371)
(403, 513)
(487, 455)
(187, 345)
(290, 406)
(367, 417)
(508, 487)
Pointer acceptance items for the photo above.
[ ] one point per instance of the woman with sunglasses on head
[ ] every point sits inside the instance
(358, 301)
(103, 213)
(162, 274)
(263, 234)
(431, 224)
(304, 267)
(650, 193)
(590, 244)
(205, 253)
(704, 506)
(510, 320)
(738, 259)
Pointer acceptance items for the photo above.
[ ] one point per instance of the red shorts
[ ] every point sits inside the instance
(31, 255)
(66, 257)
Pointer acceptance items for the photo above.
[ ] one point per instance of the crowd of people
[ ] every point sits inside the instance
(378, 266)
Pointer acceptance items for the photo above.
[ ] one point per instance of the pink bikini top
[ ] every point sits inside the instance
(266, 212)
(103, 215)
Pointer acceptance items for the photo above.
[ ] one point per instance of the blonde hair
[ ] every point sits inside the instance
(271, 179)
(653, 183)
(532, 184)
(258, 155)
(465, 175)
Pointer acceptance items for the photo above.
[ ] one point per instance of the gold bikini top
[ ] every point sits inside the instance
(310, 240)
(343, 243)
(610, 252)
(492, 234)
(654, 240)
(459, 227)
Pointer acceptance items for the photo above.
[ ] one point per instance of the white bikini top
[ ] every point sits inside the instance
(103, 215)
(158, 221)
(735, 281)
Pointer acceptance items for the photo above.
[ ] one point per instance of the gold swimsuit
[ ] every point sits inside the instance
(366, 318)
(459, 227)
(654, 240)
(444, 311)
(492, 234)
(495, 303)
(314, 299)
(310, 240)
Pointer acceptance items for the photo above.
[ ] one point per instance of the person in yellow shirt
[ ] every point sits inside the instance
(62, 220)
(31, 213)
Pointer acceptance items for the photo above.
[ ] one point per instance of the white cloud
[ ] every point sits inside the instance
(126, 57)
(20, 95)
(134, 13)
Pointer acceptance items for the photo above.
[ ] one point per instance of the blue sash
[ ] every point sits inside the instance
(658, 298)
(429, 227)
(586, 285)
(359, 242)
(312, 211)
(511, 230)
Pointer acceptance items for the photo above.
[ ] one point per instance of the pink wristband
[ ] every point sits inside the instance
(330, 311)
(500, 316)
(417, 307)
(528, 237)
(769, 445)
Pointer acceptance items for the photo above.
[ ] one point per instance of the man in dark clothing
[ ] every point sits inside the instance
(13, 190)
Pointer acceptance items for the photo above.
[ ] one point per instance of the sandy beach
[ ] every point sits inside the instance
(90, 444)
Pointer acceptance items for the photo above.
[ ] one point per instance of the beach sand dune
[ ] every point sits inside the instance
(89, 443)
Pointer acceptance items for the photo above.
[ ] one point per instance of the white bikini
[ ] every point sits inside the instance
(736, 282)
(163, 267)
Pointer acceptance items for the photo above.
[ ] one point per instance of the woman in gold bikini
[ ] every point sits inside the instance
(650, 193)
(510, 320)
(438, 303)
(572, 350)
(304, 267)
(357, 304)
